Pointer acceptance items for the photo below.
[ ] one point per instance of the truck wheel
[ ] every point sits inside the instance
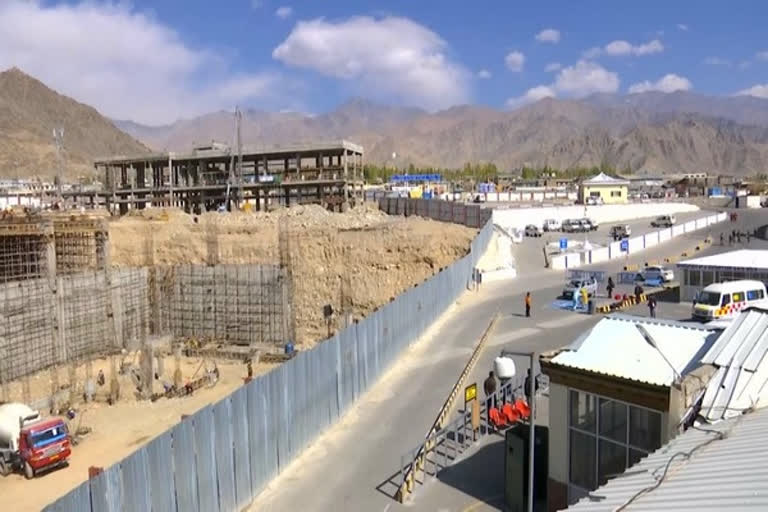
(29, 472)
(5, 469)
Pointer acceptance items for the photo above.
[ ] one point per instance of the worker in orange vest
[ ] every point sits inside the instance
(528, 304)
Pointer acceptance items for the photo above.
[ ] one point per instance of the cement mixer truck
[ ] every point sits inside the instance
(29, 443)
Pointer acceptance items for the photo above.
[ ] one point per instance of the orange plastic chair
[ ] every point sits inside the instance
(522, 408)
(496, 418)
(510, 413)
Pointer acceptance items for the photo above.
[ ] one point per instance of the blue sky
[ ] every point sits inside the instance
(157, 61)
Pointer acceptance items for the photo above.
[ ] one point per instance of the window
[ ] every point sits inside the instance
(615, 193)
(755, 294)
(606, 437)
(694, 277)
(707, 277)
(726, 299)
(594, 194)
(738, 296)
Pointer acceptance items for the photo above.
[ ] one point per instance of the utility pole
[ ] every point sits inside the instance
(58, 137)
(236, 165)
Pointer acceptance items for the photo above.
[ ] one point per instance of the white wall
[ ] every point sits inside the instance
(599, 255)
(678, 230)
(664, 235)
(557, 262)
(651, 239)
(614, 250)
(636, 244)
(558, 432)
(517, 218)
(572, 260)
(701, 223)
(690, 226)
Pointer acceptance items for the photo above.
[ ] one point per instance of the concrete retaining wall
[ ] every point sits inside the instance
(557, 262)
(664, 235)
(598, 255)
(690, 226)
(636, 244)
(573, 260)
(678, 230)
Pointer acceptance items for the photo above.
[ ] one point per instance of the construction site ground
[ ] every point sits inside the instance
(381, 255)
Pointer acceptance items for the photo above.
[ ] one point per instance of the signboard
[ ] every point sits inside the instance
(404, 178)
(470, 393)
(625, 245)
(563, 243)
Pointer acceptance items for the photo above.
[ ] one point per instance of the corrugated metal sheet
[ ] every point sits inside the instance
(729, 474)
(615, 347)
(224, 454)
(742, 373)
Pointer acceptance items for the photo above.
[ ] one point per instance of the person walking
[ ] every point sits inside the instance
(722, 239)
(638, 292)
(527, 304)
(652, 306)
(610, 287)
(489, 386)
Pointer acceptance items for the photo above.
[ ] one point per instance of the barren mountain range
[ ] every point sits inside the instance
(649, 133)
(29, 112)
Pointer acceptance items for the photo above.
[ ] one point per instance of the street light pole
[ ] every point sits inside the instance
(531, 394)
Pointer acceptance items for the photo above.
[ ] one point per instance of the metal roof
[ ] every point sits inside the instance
(742, 369)
(743, 258)
(604, 179)
(615, 347)
(720, 467)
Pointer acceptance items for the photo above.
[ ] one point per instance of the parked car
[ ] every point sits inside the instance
(620, 231)
(594, 200)
(572, 226)
(551, 225)
(656, 273)
(588, 224)
(577, 284)
(663, 221)
(531, 230)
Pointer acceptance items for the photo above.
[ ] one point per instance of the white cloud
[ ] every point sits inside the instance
(762, 55)
(717, 61)
(586, 77)
(123, 62)
(668, 83)
(759, 91)
(683, 27)
(531, 96)
(548, 35)
(552, 66)
(484, 74)
(620, 48)
(515, 61)
(389, 58)
(284, 12)
(579, 80)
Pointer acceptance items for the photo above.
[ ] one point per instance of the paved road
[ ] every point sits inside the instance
(353, 466)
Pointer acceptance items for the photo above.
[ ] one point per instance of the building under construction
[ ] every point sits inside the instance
(209, 178)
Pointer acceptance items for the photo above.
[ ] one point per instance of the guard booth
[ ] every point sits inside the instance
(516, 468)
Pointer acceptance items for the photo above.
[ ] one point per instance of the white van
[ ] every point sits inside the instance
(725, 300)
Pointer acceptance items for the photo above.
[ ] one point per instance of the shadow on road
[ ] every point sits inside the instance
(481, 474)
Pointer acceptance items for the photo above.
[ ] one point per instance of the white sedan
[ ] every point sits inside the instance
(657, 273)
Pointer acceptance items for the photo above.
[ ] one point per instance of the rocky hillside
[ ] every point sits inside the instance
(649, 133)
(29, 111)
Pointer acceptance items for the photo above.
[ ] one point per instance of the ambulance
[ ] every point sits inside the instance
(725, 300)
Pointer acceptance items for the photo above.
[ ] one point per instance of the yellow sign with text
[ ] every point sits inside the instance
(470, 393)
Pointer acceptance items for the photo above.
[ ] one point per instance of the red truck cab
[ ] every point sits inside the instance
(44, 444)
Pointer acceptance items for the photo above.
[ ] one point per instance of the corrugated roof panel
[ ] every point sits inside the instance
(615, 347)
(760, 345)
(721, 474)
(731, 339)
